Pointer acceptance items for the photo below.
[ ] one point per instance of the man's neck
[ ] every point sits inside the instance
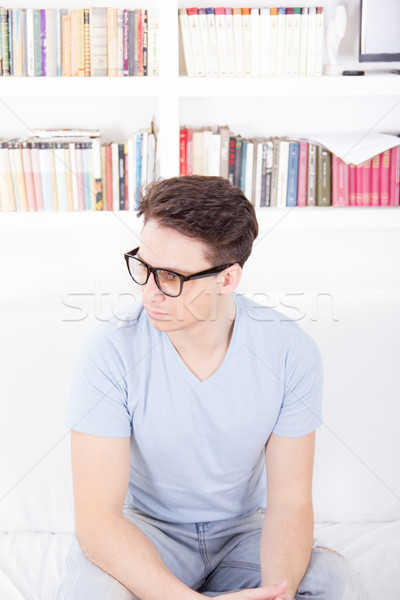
(207, 341)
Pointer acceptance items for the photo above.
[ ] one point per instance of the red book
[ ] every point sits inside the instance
(384, 177)
(394, 176)
(375, 180)
(182, 151)
(352, 185)
(139, 41)
(302, 177)
(109, 177)
(366, 183)
(359, 184)
(340, 182)
(189, 152)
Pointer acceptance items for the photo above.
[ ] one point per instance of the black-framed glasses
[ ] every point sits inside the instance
(168, 282)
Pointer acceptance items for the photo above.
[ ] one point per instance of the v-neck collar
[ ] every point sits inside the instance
(184, 369)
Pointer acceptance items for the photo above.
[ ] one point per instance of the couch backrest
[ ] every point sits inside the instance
(353, 315)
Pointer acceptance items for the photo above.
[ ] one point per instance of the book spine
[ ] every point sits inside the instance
(121, 162)
(61, 182)
(246, 41)
(255, 41)
(212, 37)
(120, 42)
(7, 196)
(103, 176)
(375, 179)
(5, 42)
(220, 29)
(230, 42)
(81, 42)
(340, 182)
(189, 151)
(195, 37)
(126, 42)
(302, 183)
(53, 177)
(138, 42)
(86, 29)
(359, 184)
(232, 150)
(296, 41)
(238, 41)
(311, 41)
(74, 46)
(319, 40)
(145, 42)
(112, 41)
(268, 173)
(384, 176)
(28, 175)
(257, 180)
(303, 42)
(366, 183)
(289, 42)
(283, 173)
(43, 42)
(45, 176)
(352, 185)
(281, 41)
(98, 41)
(293, 173)
(182, 151)
(10, 39)
(139, 156)
(36, 175)
(131, 171)
(273, 46)
(243, 158)
(248, 181)
(109, 177)
(324, 194)
(132, 44)
(312, 175)
(394, 176)
(238, 161)
(68, 177)
(66, 45)
(74, 176)
(51, 42)
(24, 37)
(96, 153)
(59, 42)
(264, 41)
(37, 45)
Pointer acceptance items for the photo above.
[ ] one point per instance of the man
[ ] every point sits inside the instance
(193, 425)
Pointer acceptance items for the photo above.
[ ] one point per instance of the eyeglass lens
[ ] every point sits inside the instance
(169, 283)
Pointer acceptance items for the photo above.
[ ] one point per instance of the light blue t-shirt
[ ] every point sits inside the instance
(197, 447)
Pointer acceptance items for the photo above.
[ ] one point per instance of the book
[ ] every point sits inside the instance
(324, 197)
(98, 41)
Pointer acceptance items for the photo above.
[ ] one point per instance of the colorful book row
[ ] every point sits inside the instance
(284, 172)
(75, 174)
(96, 42)
(252, 42)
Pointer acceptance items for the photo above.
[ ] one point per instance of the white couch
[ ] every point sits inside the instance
(341, 284)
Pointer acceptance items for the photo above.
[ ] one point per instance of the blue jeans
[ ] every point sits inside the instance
(212, 558)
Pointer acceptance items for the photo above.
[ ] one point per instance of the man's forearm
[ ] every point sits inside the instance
(121, 549)
(286, 542)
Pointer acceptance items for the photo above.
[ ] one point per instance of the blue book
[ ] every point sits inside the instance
(293, 174)
(243, 166)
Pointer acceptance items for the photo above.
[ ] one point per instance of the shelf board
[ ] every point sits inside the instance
(302, 218)
(250, 87)
(79, 87)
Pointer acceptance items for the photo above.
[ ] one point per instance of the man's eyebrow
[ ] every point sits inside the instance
(179, 272)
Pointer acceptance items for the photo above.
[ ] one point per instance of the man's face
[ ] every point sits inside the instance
(165, 248)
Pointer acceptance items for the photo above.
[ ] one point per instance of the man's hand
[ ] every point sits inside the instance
(267, 592)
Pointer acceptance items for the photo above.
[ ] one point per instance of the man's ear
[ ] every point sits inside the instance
(229, 279)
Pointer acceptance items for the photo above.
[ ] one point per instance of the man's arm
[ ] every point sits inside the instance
(100, 469)
(288, 528)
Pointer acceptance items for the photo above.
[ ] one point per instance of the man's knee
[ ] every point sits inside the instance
(83, 580)
(332, 576)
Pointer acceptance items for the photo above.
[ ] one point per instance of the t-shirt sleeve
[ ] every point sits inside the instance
(98, 392)
(301, 408)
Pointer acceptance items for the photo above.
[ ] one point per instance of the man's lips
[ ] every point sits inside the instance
(155, 314)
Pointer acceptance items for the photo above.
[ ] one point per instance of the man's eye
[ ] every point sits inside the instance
(167, 276)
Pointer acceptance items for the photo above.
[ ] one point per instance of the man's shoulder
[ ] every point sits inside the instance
(267, 320)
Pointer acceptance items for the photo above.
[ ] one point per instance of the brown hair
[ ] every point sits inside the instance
(207, 208)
